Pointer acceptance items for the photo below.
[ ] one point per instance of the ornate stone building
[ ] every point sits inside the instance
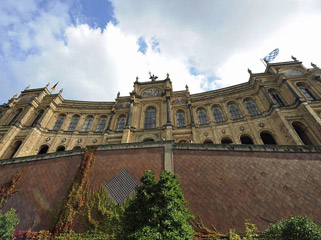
(280, 106)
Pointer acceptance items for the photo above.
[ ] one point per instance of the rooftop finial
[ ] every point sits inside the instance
(27, 87)
(314, 66)
(294, 59)
(61, 90)
(118, 94)
(48, 84)
(137, 79)
(167, 75)
(249, 70)
(14, 96)
(152, 77)
(186, 87)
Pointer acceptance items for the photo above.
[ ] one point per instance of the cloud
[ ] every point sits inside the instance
(207, 45)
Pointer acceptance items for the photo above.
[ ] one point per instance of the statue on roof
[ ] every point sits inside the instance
(186, 87)
(249, 70)
(27, 87)
(314, 65)
(152, 77)
(294, 59)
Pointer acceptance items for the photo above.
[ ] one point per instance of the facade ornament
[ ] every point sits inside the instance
(63, 140)
(79, 140)
(48, 84)
(249, 70)
(186, 87)
(136, 79)
(223, 131)
(27, 87)
(118, 94)
(314, 66)
(242, 128)
(261, 125)
(152, 77)
(294, 59)
(95, 140)
(48, 139)
(61, 90)
(206, 134)
(14, 96)
(167, 75)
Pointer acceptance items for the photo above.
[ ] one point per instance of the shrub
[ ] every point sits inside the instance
(8, 222)
(251, 232)
(295, 228)
(158, 211)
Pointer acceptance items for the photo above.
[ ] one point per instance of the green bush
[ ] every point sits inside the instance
(295, 228)
(158, 211)
(82, 236)
(8, 222)
(251, 232)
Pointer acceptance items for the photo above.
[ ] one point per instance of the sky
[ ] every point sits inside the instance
(95, 48)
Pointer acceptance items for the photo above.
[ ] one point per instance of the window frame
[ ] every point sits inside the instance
(180, 118)
(150, 118)
(202, 116)
(218, 115)
(58, 124)
(235, 112)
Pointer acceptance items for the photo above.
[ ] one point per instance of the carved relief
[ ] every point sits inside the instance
(152, 93)
(123, 105)
(179, 100)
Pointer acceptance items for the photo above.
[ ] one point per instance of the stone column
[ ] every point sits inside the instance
(130, 112)
(267, 95)
(110, 119)
(191, 114)
(169, 123)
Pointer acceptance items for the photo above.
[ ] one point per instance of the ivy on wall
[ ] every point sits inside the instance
(8, 188)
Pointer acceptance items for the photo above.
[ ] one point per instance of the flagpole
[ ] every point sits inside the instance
(263, 62)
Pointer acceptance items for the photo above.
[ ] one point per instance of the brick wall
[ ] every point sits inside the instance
(43, 183)
(226, 187)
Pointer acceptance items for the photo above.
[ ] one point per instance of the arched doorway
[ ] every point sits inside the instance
(43, 149)
(302, 133)
(208, 141)
(246, 140)
(60, 149)
(267, 138)
(226, 140)
(12, 150)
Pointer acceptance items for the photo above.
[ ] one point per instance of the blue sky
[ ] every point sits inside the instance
(97, 48)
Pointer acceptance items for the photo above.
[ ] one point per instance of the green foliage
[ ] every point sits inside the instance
(250, 230)
(101, 214)
(82, 236)
(295, 228)
(8, 222)
(158, 211)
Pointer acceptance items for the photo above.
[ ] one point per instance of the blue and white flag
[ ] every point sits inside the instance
(270, 57)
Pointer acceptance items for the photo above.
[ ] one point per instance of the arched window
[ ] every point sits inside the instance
(13, 120)
(180, 118)
(60, 149)
(150, 118)
(183, 141)
(300, 130)
(101, 125)
(202, 116)
(87, 125)
(276, 98)
(37, 118)
(226, 140)
(12, 150)
(59, 122)
(267, 138)
(76, 148)
(148, 140)
(208, 141)
(218, 114)
(246, 140)
(306, 93)
(73, 123)
(121, 123)
(251, 108)
(43, 149)
(234, 111)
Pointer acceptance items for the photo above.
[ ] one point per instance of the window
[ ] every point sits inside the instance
(202, 116)
(276, 98)
(121, 123)
(15, 116)
(218, 114)
(59, 122)
(251, 108)
(37, 118)
(267, 138)
(101, 125)
(61, 149)
(246, 140)
(226, 141)
(306, 93)
(300, 130)
(208, 141)
(43, 149)
(73, 123)
(87, 125)
(180, 118)
(13, 149)
(234, 111)
(150, 118)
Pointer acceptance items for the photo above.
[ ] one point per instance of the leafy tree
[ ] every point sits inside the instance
(295, 228)
(8, 222)
(158, 211)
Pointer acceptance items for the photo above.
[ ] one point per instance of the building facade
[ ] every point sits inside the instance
(280, 106)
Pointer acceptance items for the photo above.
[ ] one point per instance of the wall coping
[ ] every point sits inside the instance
(173, 146)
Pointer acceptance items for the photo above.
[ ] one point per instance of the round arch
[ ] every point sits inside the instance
(147, 136)
(60, 148)
(77, 147)
(43, 149)
(268, 138)
(183, 141)
(303, 133)
(246, 139)
(226, 140)
(208, 141)
(13, 149)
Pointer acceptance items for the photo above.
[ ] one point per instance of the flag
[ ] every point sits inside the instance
(54, 86)
(270, 57)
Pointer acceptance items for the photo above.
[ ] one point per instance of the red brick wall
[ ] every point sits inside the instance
(224, 187)
(42, 184)
(109, 163)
